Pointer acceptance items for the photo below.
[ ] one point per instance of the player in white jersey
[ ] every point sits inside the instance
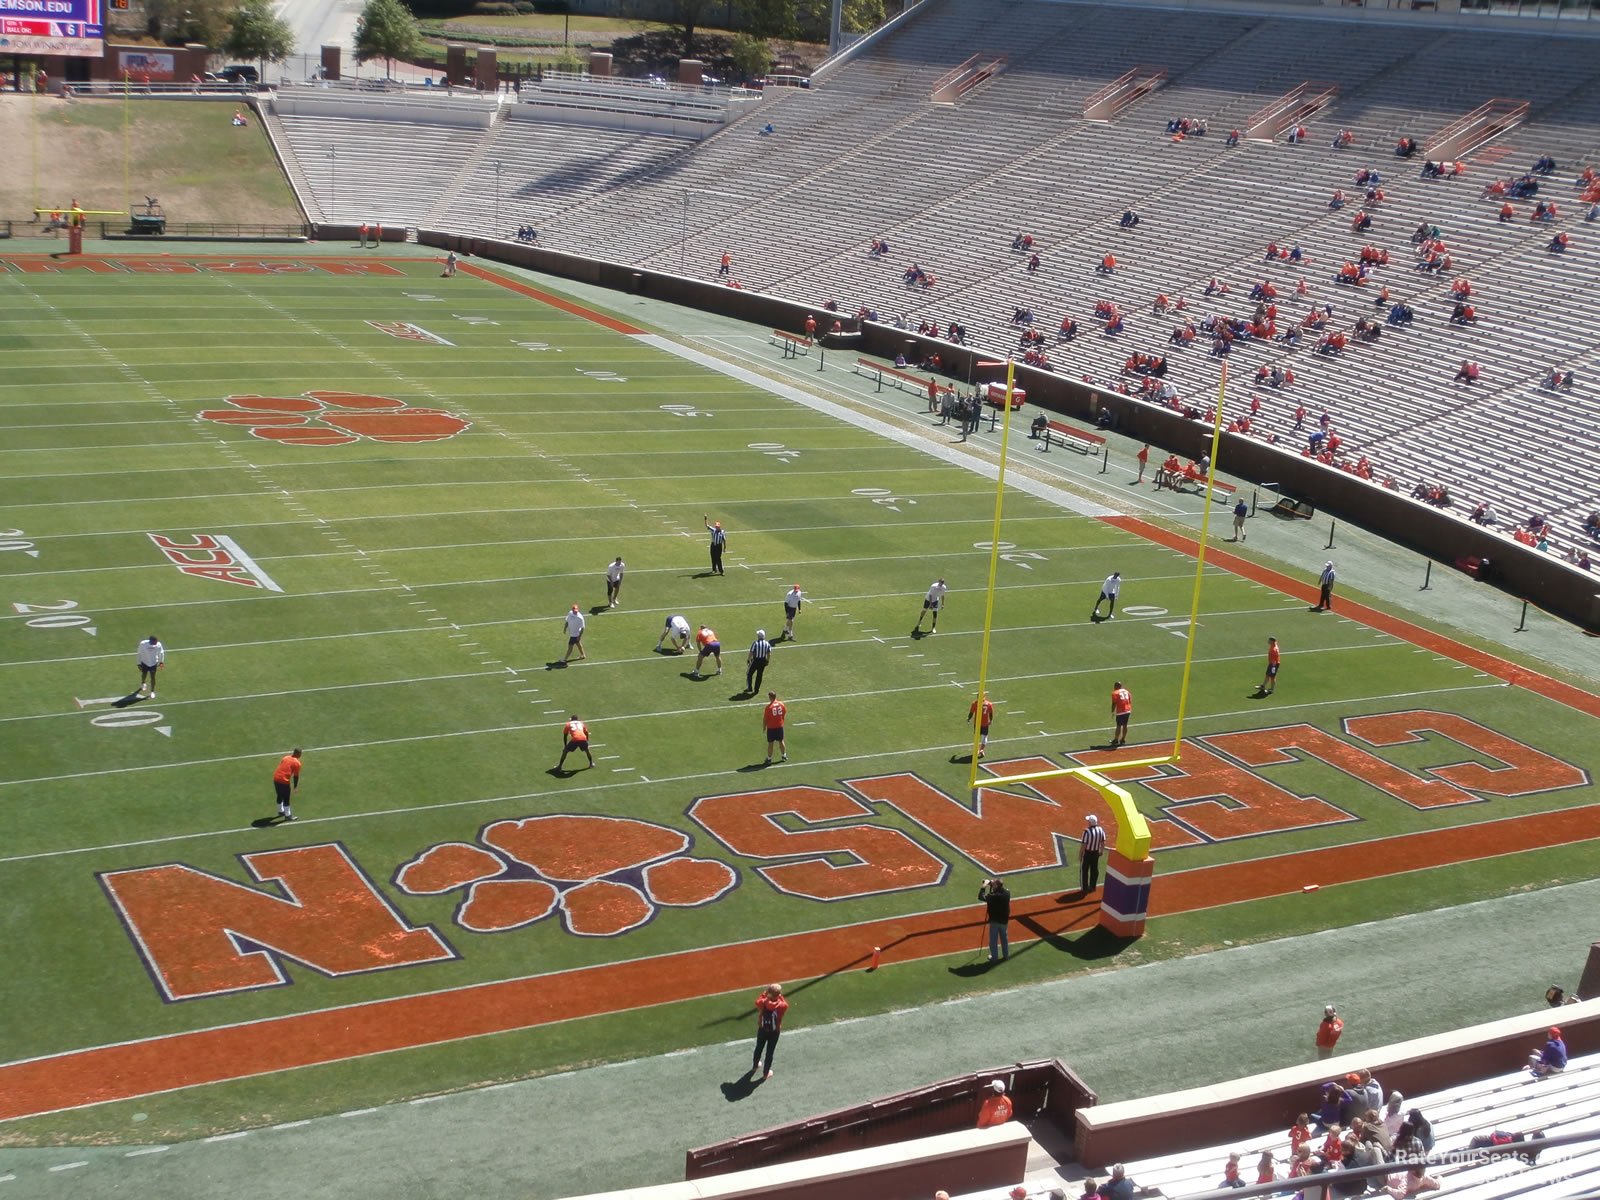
(675, 631)
(793, 602)
(932, 603)
(152, 656)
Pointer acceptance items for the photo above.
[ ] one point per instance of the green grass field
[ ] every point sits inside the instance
(423, 568)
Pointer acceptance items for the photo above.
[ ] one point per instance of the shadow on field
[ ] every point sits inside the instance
(556, 664)
(596, 609)
(1091, 945)
(265, 822)
(703, 575)
(740, 1088)
(132, 697)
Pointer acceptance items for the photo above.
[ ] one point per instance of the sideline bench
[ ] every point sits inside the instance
(1180, 483)
(1061, 434)
(903, 380)
(793, 344)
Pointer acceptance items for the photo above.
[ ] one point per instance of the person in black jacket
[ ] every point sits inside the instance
(997, 900)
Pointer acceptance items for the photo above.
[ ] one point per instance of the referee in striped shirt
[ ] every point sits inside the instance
(1090, 847)
(756, 664)
(719, 540)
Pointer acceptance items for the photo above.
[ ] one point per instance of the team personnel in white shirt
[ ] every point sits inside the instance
(614, 582)
(932, 603)
(676, 631)
(793, 602)
(1108, 591)
(575, 625)
(152, 656)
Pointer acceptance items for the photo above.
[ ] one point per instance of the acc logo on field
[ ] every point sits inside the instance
(214, 556)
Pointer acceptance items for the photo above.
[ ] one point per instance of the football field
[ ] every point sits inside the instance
(356, 503)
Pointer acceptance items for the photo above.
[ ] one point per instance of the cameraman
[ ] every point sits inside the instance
(997, 900)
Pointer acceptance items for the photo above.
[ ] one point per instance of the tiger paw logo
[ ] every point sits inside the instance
(604, 875)
(336, 419)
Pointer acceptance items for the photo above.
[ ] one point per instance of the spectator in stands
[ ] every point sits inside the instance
(1545, 165)
(1406, 147)
(1355, 1153)
(1470, 372)
(1068, 330)
(726, 264)
(997, 1107)
(1362, 222)
(1297, 134)
(1419, 1128)
(1559, 243)
(1231, 1177)
(1119, 1186)
(1266, 1168)
(1108, 265)
(1463, 314)
(1551, 1059)
(1483, 515)
(1233, 138)
(1033, 264)
(1217, 288)
(1343, 140)
(1503, 1137)
(1129, 218)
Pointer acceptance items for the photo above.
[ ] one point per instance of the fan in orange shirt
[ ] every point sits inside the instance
(997, 1108)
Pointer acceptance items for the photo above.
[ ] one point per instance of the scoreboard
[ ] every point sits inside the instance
(68, 27)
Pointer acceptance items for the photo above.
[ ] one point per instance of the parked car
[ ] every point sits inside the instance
(241, 73)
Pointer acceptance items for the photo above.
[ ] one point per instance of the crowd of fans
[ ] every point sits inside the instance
(1145, 374)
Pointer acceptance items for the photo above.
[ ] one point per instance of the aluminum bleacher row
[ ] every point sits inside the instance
(866, 153)
(1515, 1102)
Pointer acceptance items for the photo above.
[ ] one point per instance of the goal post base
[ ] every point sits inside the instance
(1125, 899)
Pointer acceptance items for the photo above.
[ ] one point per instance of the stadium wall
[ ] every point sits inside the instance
(972, 1160)
(1047, 1089)
(1540, 578)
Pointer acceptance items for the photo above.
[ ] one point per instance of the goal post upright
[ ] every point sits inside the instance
(1010, 365)
(1200, 564)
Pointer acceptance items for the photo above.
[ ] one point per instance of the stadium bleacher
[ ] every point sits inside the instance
(1515, 1101)
(867, 153)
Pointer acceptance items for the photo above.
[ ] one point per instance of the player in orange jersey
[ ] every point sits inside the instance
(286, 782)
(772, 721)
(709, 643)
(983, 724)
(575, 736)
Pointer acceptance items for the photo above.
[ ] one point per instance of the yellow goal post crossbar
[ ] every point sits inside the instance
(1133, 831)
